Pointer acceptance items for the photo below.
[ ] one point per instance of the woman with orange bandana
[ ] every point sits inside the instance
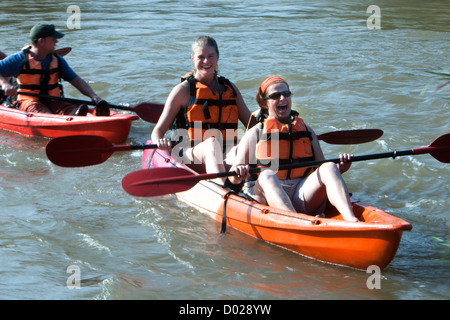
(281, 138)
(209, 107)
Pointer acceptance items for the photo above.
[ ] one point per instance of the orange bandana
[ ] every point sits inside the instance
(266, 83)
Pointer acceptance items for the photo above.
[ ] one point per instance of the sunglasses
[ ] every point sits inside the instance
(277, 95)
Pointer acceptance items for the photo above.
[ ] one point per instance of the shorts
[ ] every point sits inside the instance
(295, 191)
(52, 106)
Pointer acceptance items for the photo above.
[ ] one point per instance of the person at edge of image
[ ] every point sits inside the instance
(303, 190)
(202, 103)
(37, 69)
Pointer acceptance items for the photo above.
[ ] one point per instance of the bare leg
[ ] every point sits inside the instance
(327, 181)
(268, 187)
(209, 153)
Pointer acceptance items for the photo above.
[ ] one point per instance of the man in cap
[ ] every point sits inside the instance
(37, 69)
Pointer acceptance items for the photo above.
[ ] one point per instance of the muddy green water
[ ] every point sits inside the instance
(343, 76)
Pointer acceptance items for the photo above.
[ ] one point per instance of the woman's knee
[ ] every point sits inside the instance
(211, 149)
(329, 168)
(267, 177)
(211, 143)
(267, 182)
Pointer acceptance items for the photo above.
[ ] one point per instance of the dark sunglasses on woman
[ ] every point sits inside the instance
(277, 95)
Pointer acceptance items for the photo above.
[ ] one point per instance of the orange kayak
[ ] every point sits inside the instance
(373, 241)
(115, 128)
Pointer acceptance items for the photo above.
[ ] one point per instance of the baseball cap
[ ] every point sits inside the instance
(43, 31)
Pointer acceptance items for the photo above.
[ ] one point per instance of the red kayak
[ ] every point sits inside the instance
(115, 128)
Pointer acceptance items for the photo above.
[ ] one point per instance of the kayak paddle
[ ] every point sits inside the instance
(337, 137)
(146, 111)
(161, 181)
(355, 136)
(63, 51)
(86, 150)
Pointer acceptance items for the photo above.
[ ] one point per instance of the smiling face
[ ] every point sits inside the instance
(280, 108)
(205, 60)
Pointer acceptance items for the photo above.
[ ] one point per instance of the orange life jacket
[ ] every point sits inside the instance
(295, 146)
(256, 117)
(209, 110)
(34, 79)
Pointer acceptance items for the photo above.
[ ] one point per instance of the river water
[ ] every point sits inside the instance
(343, 75)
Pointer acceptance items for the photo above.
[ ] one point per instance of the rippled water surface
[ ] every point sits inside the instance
(343, 76)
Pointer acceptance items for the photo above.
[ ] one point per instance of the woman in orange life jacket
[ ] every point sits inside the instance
(207, 103)
(299, 190)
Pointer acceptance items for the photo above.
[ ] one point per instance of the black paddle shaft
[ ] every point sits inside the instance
(317, 163)
(76, 101)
